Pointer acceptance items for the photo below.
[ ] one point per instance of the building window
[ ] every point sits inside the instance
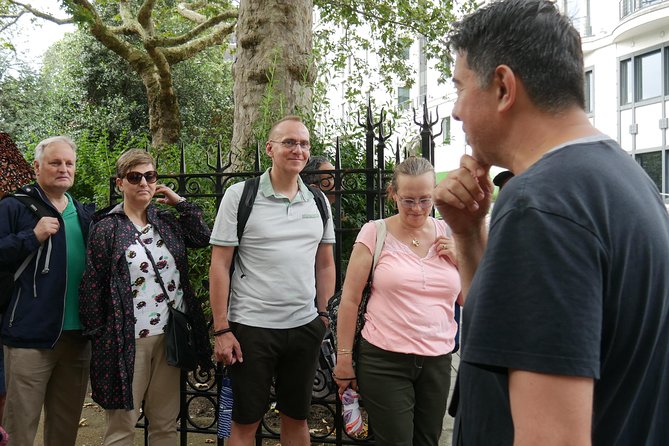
(446, 130)
(578, 12)
(648, 76)
(406, 52)
(651, 162)
(589, 92)
(403, 98)
(666, 71)
(626, 82)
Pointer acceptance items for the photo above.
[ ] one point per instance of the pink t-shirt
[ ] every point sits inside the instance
(411, 308)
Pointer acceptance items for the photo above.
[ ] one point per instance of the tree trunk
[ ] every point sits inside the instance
(274, 71)
(164, 115)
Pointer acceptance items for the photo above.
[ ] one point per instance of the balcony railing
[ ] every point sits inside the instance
(628, 7)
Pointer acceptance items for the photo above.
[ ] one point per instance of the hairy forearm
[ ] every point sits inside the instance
(219, 285)
(325, 276)
(325, 286)
(470, 248)
(219, 288)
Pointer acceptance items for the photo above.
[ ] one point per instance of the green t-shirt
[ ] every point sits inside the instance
(76, 259)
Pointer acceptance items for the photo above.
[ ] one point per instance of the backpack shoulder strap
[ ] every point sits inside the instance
(246, 204)
(319, 197)
(37, 207)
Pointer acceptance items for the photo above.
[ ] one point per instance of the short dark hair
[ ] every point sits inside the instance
(131, 158)
(314, 163)
(535, 40)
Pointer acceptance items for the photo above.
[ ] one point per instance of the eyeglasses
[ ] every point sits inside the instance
(291, 144)
(410, 203)
(136, 177)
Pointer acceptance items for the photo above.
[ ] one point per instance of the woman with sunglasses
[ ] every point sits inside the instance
(124, 308)
(404, 356)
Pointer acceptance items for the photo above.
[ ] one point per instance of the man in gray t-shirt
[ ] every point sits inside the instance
(266, 324)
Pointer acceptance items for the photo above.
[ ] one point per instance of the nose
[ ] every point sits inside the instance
(456, 112)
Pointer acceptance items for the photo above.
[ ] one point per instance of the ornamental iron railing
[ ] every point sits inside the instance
(200, 389)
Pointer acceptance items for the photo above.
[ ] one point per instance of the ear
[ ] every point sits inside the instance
(119, 182)
(507, 87)
(36, 166)
(268, 148)
(390, 192)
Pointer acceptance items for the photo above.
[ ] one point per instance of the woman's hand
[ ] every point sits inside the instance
(170, 198)
(446, 248)
(344, 374)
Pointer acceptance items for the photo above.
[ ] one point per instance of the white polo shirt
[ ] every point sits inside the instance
(273, 285)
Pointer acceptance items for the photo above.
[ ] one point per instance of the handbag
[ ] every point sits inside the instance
(333, 303)
(179, 339)
(179, 345)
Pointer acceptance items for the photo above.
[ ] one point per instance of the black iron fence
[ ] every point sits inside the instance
(366, 185)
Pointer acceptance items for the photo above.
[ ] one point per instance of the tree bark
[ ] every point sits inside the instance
(274, 71)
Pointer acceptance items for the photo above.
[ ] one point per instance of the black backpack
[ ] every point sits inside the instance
(249, 197)
(7, 278)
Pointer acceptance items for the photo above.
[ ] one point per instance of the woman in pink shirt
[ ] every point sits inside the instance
(404, 360)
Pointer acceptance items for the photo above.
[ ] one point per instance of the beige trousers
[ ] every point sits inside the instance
(54, 379)
(157, 384)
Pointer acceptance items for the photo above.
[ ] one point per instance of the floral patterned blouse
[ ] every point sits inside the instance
(149, 301)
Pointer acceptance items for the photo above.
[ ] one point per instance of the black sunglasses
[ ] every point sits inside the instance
(136, 177)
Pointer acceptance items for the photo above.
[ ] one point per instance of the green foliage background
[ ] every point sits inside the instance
(87, 92)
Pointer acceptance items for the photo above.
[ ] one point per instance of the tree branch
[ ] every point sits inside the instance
(190, 13)
(11, 23)
(42, 15)
(201, 28)
(368, 14)
(105, 35)
(144, 15)
(130, 24)
(189, 49)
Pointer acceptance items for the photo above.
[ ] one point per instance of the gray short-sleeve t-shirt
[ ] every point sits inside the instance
(273, 285)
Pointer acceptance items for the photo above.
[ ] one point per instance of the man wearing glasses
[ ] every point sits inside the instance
(265, 320)
(46, 356)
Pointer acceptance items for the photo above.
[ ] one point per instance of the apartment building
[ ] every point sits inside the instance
(626, 55)
(626, 52)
